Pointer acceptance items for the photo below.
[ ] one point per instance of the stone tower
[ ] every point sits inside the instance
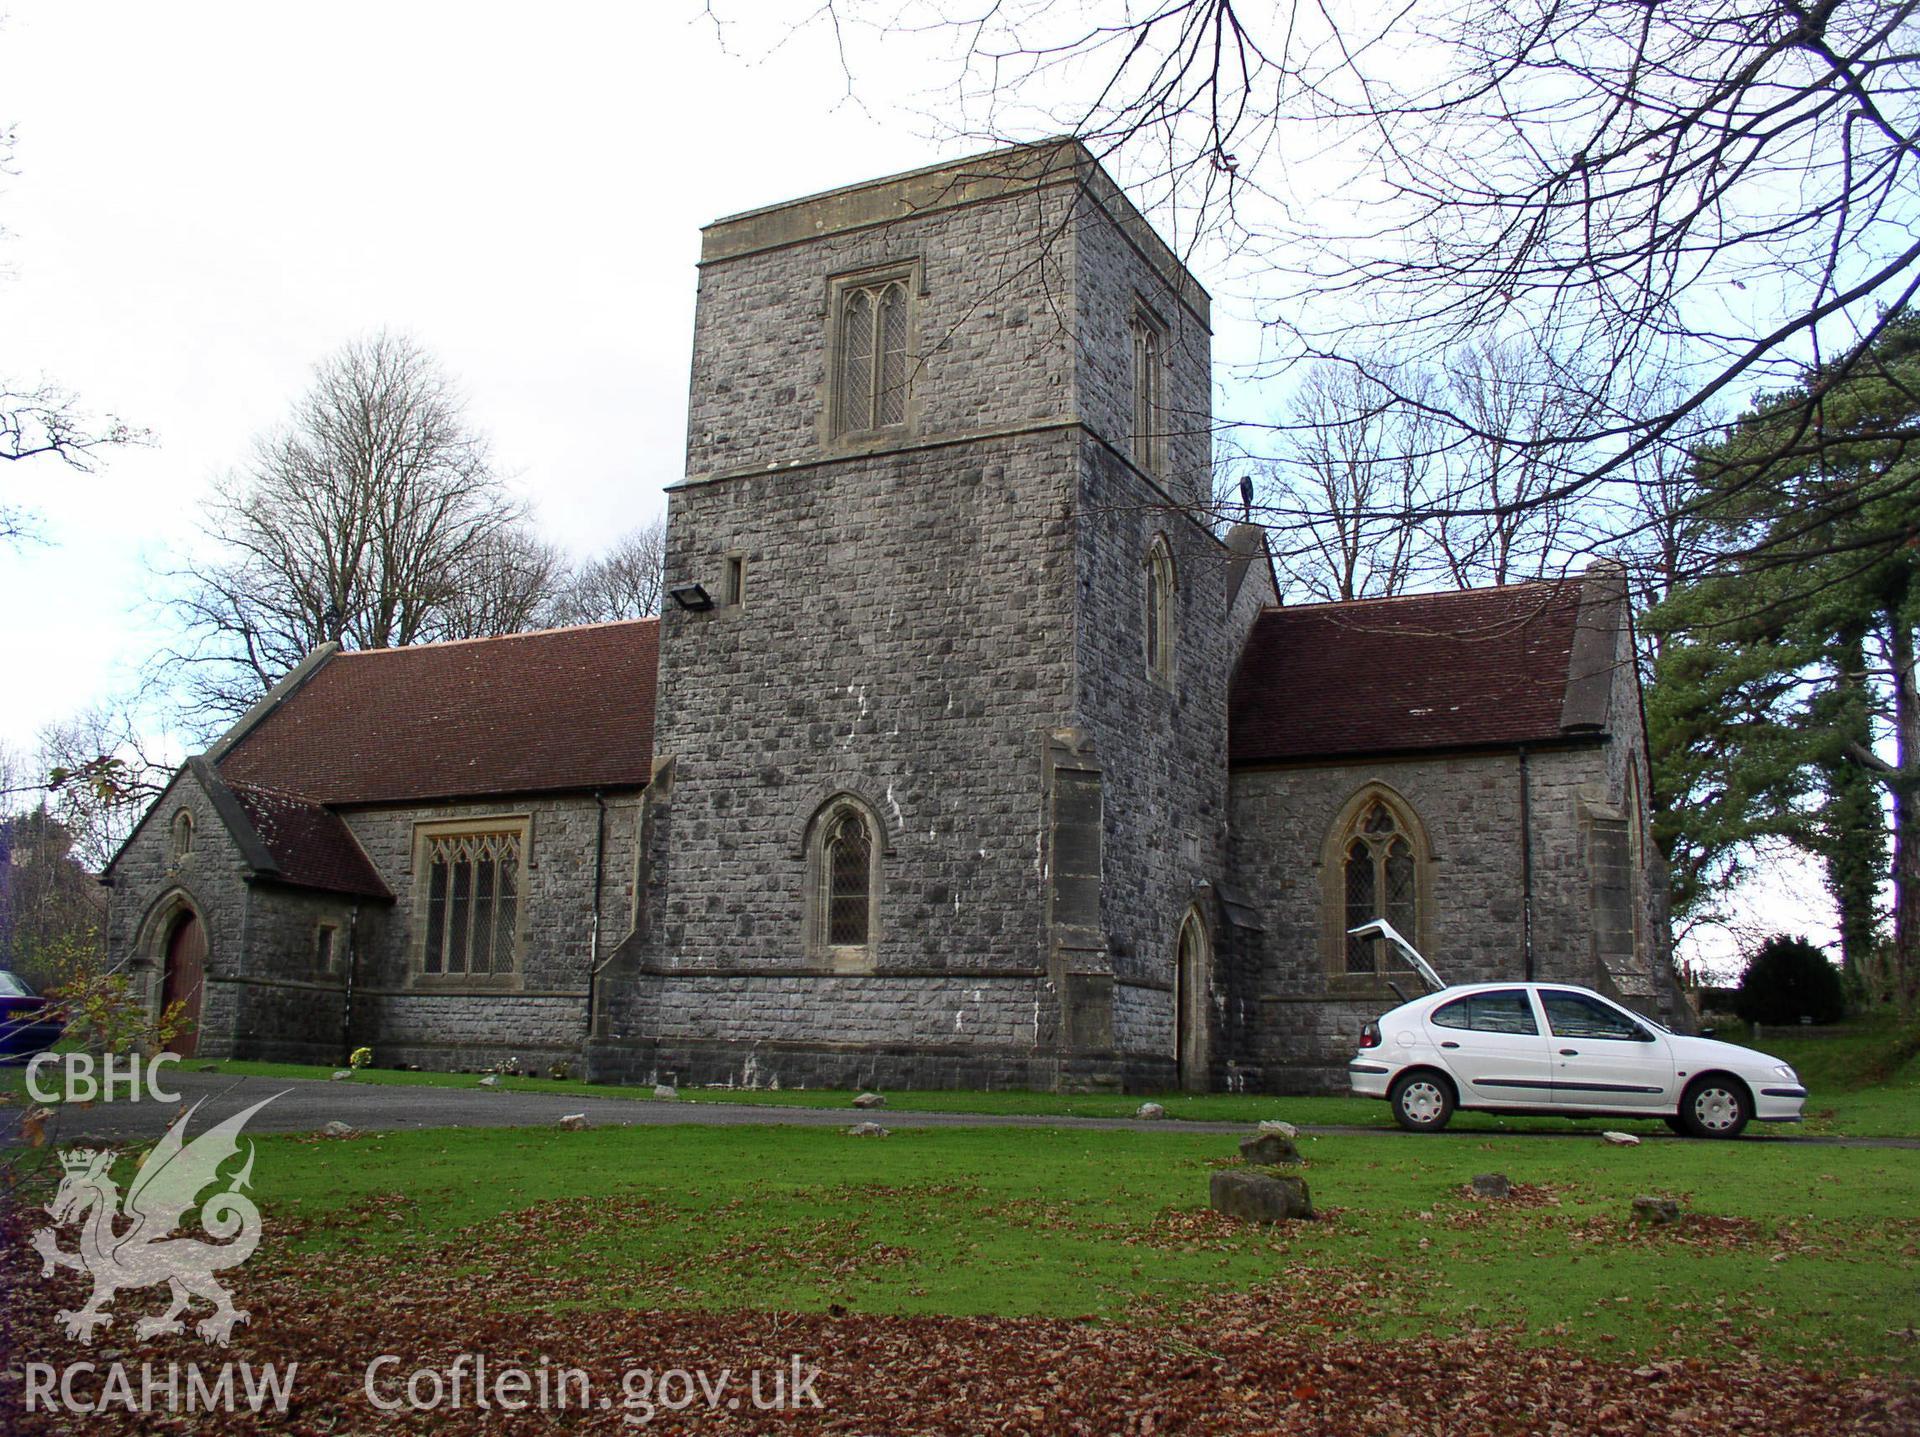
(940, 789)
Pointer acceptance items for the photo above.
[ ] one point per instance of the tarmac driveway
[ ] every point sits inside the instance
(306, 1105)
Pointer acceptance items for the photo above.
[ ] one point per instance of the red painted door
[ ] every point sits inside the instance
(185, 977)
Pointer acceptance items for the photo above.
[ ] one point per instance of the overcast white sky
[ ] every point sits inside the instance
(209, 198)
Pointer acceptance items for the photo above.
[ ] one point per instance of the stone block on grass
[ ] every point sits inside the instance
(1655, 1209)
(1270, 1150)
(1259, 1197)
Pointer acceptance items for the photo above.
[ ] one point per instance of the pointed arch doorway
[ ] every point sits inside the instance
(184, 979)
(1193, 965)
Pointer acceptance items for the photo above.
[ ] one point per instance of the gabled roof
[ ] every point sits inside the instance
(284, 838)
(1470, 668)
(312, 847)
(558, 710)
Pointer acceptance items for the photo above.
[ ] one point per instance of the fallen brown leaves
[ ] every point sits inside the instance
(1290, 1357)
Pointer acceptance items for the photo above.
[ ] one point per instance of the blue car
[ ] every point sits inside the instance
(25, 1027)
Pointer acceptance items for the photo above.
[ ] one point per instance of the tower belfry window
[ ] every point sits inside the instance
(871, 342)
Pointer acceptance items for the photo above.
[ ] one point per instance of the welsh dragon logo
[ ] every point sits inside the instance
(134, 1245)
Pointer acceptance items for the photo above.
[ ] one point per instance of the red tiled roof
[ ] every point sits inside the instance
(1462, 669)
(311, 846)
(527, 713)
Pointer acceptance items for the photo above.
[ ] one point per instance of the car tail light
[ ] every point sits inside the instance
(1370, 1036)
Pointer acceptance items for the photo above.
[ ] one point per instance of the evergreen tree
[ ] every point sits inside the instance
(1781, 671)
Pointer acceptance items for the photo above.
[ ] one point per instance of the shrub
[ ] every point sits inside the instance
(1790, 979)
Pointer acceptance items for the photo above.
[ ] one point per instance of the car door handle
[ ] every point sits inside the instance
(1449, 1044)
(1569, 1052)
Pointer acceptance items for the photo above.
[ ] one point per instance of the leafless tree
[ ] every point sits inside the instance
(1340, 513)
(513, 582)
(1718, 191)
(1504, 515)
(1378, 494)
(623, 583)
(373, 517)
(94, 773)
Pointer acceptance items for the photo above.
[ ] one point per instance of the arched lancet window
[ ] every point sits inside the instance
(1149, 431)
(872, 382)
(1158, 618)
(843, 882)
(1376, 864)
(182, 834)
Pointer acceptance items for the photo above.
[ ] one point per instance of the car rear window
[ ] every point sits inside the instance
(12, 987)
(1507, 1012)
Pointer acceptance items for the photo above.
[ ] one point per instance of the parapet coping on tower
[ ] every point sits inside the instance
(995, 175)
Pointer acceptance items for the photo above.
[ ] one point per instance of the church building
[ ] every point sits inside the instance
(968, 751)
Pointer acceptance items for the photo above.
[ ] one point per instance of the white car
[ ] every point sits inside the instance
(1555, 1048)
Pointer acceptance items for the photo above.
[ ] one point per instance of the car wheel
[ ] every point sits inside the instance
(1422, 1102)
(1715, 1107)
(1679, 1127)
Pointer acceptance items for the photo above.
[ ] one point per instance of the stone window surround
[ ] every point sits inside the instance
(1158, 631)
(820, 825)
(1333, 876)
(424, 832)
(909, 272)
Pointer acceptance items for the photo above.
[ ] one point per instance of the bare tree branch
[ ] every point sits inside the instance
(373, 517)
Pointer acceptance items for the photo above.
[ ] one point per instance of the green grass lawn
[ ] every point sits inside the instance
(1806, 1254)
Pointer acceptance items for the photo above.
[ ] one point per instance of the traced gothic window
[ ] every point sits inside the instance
(1379, 859)
(843, 881)
(871, 339)
(471, 889)
(182, 834)
(1149, 427)
(1159, 613)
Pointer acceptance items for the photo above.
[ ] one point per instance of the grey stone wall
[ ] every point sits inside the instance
(1158, 745)
(994, 340)
(265, 996)
(902, 641)
(1292, 1022)
(147, 886)
(1114, 279)
(540, 1015)
(927, 615)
